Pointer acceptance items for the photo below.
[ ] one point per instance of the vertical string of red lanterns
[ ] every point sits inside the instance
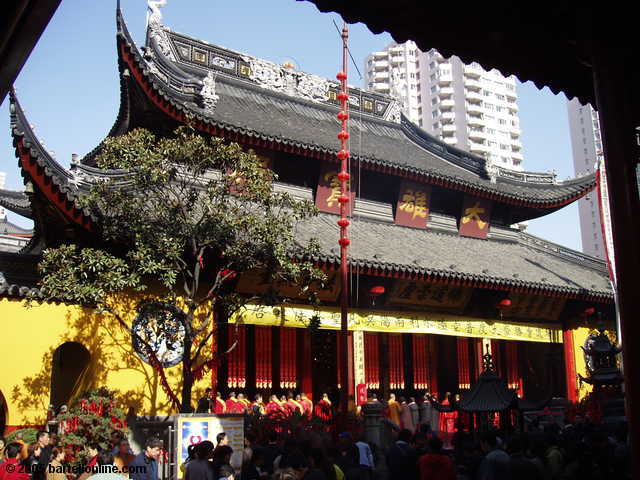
(343, 176)
(464, 375)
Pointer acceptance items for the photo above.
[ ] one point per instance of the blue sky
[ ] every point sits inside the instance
(70, 89)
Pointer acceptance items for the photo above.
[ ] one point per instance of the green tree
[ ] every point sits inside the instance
(178, 219)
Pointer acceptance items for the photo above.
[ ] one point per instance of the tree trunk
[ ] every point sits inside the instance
(187, 379)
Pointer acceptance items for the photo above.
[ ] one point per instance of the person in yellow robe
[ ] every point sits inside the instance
(395, 409)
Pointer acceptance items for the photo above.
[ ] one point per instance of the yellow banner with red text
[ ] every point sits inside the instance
(300, 316)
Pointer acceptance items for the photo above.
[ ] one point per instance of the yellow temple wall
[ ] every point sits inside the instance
(579, 336)
(29, 338)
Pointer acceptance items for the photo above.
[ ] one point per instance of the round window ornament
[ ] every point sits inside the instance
(160, 329)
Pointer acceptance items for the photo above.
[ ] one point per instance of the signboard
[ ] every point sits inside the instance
(534, 306)
(475, 217)
(329, 191)
(298, 316)
(361, 394)
(358, 357)
(253, 282)
(192, 429)
(454, 297)
(412, 208)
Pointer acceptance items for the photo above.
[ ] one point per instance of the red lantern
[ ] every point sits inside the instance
(588, 311)
(504, 303)
(374, 292)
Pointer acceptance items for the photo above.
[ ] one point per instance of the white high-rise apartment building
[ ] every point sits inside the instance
(474, 109)
(586, 145)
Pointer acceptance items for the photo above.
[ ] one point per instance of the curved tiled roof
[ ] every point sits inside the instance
(247, 110)
(17, 202)
(489, 394)
(528, 263)
(57, 183)
(18, 274)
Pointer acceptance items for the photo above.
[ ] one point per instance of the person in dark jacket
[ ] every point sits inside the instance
(222, 463)
(43, 458)
(435, 465)
(401, 457)
(145, 465)
(200, 468)
(205, 403)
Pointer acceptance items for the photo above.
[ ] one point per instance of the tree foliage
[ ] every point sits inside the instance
(91, 420)
(180, 218)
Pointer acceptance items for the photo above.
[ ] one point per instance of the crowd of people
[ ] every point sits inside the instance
(580, 451)
(45, 458)
(415, 451)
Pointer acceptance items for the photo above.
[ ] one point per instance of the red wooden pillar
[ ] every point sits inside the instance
(616, 80)
(570, 365)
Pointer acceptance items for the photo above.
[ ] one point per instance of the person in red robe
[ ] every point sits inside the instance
(232, 403)
(323, 409)
(219, 406)
(448, 420)
(307, 405)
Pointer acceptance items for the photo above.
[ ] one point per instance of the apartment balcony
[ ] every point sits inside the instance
(381, 75)
(516, 145)
(477, 134)
(448, 116)
(472, 83)
(511, 95)
(474, 97)
(447, 103)
(515, 132)
(381, 65)
(475, 120)
(445, 92)
(479, 148)
(450, 140)
(513, 107)
(472, 71)
(381, 87)
(445, 80)
(397, 61)
(517, 156)
(449, 128)
(475, 108)
(380, 54)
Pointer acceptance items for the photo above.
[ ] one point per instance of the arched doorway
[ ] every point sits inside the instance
(70, 362)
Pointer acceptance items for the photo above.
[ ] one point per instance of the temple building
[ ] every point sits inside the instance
(439, 276)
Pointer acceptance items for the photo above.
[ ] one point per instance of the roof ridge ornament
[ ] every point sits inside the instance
(286, 80)
(393, 113)
(492, 169)
(208, 92)
(154, 16)
(155, 30)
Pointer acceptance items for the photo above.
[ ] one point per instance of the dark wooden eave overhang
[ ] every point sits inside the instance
(550, 43)
(21, 25)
